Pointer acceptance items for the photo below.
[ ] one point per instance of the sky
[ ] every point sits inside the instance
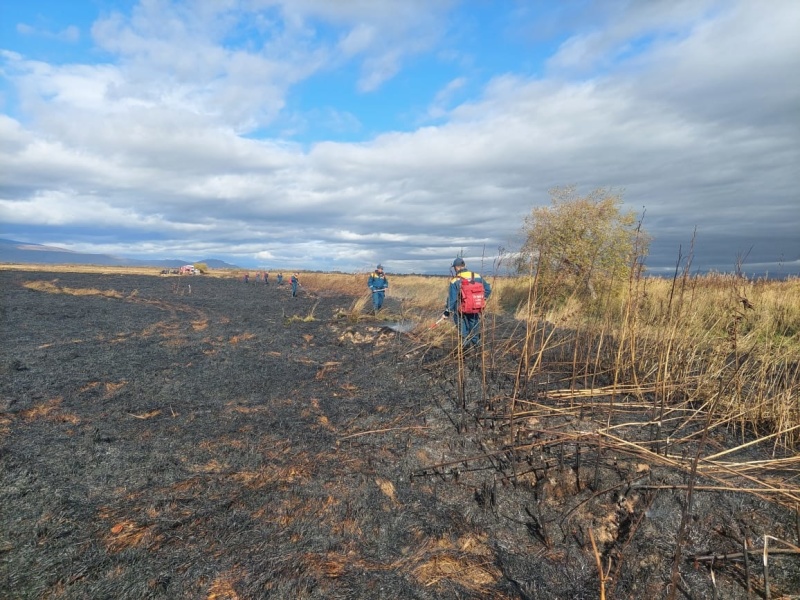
(321, 135)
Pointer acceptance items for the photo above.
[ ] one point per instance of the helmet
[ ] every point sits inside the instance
(379, 268)
(459, 262)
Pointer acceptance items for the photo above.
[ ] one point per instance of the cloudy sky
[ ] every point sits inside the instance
(335, 135)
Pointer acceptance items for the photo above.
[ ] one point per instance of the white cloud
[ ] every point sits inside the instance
(357, 40)
(63, 208)
(444, 97)
(698, 125)
(69, 34)
(384, 32)
(617, 29)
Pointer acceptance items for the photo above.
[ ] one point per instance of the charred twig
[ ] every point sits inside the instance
(797, 521)
(486, 455)
(741, 555)
(539, 527)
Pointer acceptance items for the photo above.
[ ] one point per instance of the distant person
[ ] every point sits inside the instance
(280, 278)
(266, 278)
(295, 280)
(258, 276)
(247, 277)
(378, 283)
(466, 298)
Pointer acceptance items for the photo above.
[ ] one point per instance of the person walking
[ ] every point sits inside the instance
(247, 277)
(295, 281)
(467, 295)
(266, 278)
(280, 278)
(378, 283)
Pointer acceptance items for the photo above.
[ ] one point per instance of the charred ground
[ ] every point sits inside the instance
(227, 441)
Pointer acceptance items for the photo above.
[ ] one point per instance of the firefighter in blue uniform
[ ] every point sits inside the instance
(468, 323)
(295, 281)
(378, 283)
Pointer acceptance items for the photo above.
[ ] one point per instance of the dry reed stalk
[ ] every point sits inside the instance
(789, 492)
(602, 575)
(765, 563)
(709, 469)
(523, 362)
(353, 435)
(752, 443)
(781, 464)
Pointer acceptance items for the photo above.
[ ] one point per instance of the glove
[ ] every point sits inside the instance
(446, 313)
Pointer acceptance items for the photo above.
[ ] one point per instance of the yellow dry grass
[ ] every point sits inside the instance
(224, 587)
(129, 534)
(242, 337)
(466, 561)
(52, 287)
(114, 270)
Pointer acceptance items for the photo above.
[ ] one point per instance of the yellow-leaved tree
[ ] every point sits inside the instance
(581, 245)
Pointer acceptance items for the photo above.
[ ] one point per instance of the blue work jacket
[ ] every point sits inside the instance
(377, 282)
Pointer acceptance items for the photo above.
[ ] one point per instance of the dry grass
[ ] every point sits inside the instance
(338, 284)
(52, 287)
(723, 343)
(717, 345)
(661, 376)
(112, 270)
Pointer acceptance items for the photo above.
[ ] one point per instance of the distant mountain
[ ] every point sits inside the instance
(213, 263)
(22, 253)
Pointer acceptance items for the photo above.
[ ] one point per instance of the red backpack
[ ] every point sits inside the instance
(472, 296)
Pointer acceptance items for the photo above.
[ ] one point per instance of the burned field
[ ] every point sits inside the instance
(165, 437)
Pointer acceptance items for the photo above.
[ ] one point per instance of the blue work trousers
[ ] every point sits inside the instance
(469, 327)
(377, 299)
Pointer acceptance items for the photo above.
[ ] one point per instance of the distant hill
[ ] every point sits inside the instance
(213, 263)
(23, 253)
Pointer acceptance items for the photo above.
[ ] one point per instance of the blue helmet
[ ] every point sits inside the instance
(459, 262)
